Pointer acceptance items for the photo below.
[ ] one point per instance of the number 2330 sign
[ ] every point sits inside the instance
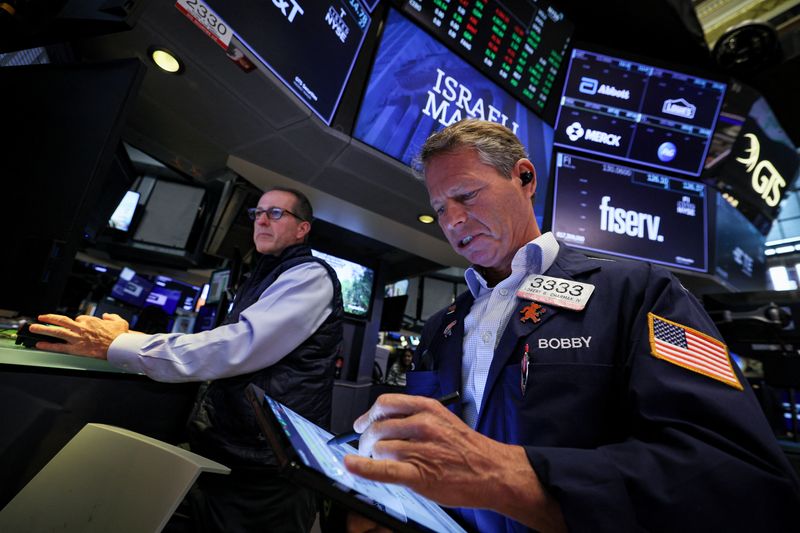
(203, 17)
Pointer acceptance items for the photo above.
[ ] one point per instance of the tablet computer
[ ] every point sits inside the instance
(304, 456)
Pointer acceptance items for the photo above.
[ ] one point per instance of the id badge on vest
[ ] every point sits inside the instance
(558, 292)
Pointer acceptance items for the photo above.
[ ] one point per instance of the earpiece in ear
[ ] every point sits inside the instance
(526, 177)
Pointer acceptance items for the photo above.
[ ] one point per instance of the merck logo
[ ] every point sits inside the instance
(631, 223)
(766, 180)
(575, 132)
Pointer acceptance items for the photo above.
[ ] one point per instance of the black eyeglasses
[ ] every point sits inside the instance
(273, 213)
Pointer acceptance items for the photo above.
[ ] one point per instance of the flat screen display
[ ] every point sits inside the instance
(519, 45)
(131, 288)
(631, 213)
(303, 445)
(166, 299)
(171, 214)
(220, 279)
(357, 283)
(170, 294)
(637, 112)
(310, 45)
(418, 86)
(739, 249)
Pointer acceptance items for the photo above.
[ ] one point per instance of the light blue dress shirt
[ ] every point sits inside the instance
(489, 315)
(286, 314)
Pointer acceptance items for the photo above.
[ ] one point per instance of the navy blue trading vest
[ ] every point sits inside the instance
(223, 425)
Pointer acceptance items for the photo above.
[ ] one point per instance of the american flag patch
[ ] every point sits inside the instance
(691, 349)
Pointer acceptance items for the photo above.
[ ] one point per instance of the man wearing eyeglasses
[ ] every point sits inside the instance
(282, 333)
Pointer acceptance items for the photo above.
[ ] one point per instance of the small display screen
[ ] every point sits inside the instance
(637, 112)
(166, 299)
(521, 46)
(357, 283)
(217, 285)
(310, 45)
(418, 86)
(161, 291)
(310, 442)
(170, 294)
(131, 288)
(621, 211)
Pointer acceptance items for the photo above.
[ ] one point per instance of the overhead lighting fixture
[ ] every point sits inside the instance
(166, 60)
(426, 219)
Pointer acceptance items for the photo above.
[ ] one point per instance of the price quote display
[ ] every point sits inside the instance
(522, 50)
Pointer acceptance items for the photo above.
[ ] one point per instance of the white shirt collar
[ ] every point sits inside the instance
(535, 257)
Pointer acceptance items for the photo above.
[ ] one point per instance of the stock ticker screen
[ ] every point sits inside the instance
(418, 86)
(521, 49)
(622, 211)
(637, 112)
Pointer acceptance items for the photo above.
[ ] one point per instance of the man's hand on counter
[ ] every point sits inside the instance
(89, 336)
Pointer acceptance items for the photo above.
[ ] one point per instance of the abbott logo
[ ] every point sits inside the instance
(588, 85)
(766, 180)
(631, 223)
(592, 86)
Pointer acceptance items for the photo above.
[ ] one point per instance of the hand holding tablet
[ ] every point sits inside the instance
(417, 442)
(304, 455)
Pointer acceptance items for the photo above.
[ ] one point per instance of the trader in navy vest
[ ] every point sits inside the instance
(283, 334)
(596, 395)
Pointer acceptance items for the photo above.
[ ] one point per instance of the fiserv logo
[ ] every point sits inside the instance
(631, 223)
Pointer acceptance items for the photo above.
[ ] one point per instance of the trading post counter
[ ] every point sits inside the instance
(46, 398)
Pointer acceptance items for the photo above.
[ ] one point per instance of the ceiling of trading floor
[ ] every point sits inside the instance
(214, 116)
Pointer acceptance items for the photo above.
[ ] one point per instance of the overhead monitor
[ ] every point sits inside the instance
(418, 86)
(521, 45)
(761, 168)
(637, 112)
(357, 283)
(310, 45)
(618, 210)
(739, 258)
(171, 214)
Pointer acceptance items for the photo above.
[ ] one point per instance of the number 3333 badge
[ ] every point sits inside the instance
(558, 292)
